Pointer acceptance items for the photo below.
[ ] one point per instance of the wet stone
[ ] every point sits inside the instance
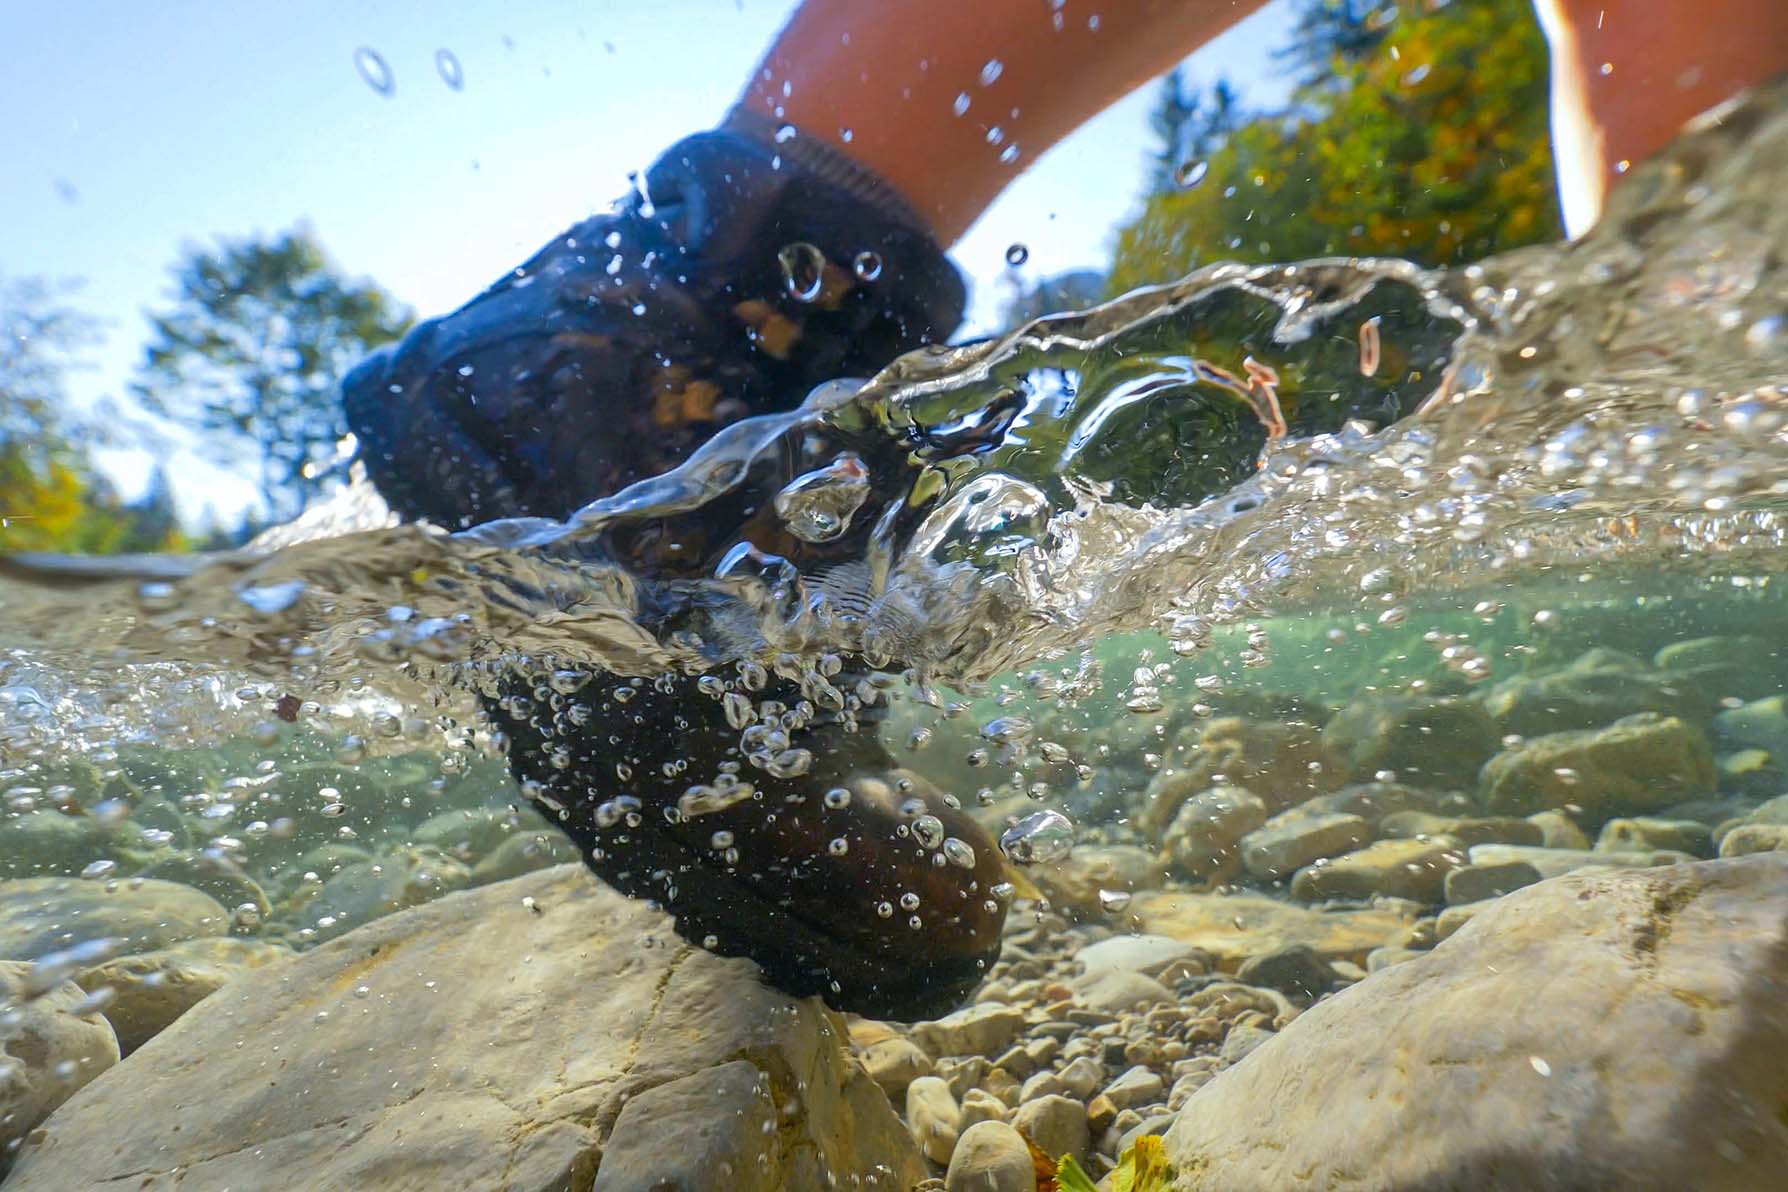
(894, 1064)
(982, 1029)
(1760, 724)
(979, 1105)
(1138, 1086)
(47, 914)
(1555, 862)
(1644, 834)
(991, 1157)
(1473, 883)
(1558, 830)
(1373, 801)
(1287, 844)
(1056, 1124)
(479, 1041)
(1591, 698)
(406, 877)
(151, 989)
(1438, 743)
(1233, 928)
(1080, 886)
(1296, 971)
(1747, 839)
(49, 1050)
(1139, 953)
(1201, 842)
(1115, 991)
(1634, 766)
(933, 1117)
(1467, 830)
(523, 853)
(1412, 869)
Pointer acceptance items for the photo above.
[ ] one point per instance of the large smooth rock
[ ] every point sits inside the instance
(539, 1033)
(39, 915)
(1622, 1029)
(1280, 764)
(1437, 743)
(1591, 697)
(149, 990)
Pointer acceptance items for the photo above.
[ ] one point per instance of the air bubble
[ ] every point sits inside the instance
(448, 67)
(1017, 254)
(374, 70)
(1191, 173)
(803, 270)
(867, 266)
(1038, 838)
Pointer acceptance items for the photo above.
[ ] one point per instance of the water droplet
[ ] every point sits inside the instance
(992, 71)
(961, 106)
(786, 133)
(271, 599)
(1191, 173)
(803, 270)
(1038, 838)
(374, 70)
(1009, 154)
(1017, 254)
(867, 266)
(99, 869)
(448, 67)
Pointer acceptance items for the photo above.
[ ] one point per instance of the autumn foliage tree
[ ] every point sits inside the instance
(1421, 133)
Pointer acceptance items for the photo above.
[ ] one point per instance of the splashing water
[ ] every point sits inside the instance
(1186, 458)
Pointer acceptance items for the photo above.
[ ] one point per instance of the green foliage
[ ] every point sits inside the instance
(251, 350)
(52, 498)
(1426, 139)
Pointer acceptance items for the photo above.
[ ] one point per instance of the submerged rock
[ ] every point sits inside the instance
(1639, 764)
(1280, 764)
(1431, 742)
(1412, 869)
(1201, 841)
(1289, 842)
(1233, 928)
(1592, 697)
(539, 1033)
(150, 990)
(46, 914)
(1619, 1029)
(50, 1046)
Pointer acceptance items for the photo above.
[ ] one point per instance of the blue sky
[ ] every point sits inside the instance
(133, 129)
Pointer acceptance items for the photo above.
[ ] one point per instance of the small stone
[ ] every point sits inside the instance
(1590, 695)
(1558, 830)
(1123, 991)
(894, 1064)
(1644, 833)
(1241, 1040)
(982, 1029)
(1138, 1086)
(523, 853)
(1150, 1126)
(1288, 843)
(1056, 1124)
(1467, 830)
(1473, 883)
(1201, 841)
(964, 1073)
(1100, 1113)
(1455, 917)
(933, 1118)
(1082, 1077)
(1295, 970)
(1381, 958)
(1043, 1084)
(1413, 869)
(1760, 724)
(1556, 862)
(1746, 839)
(1233, 928)
(152, 989)
(1001, 1084)
(1438, 743)
(1139, 953)
(991, 1157)
(1017, 1061)
(979, 1105)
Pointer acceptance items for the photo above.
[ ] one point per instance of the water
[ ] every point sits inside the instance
(1032, 565)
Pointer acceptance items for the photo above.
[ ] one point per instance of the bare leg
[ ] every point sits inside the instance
(1627, 74)
(881, 81)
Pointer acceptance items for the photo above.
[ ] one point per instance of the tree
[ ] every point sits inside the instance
(251, 349)
(1432, 145)
(1188, 128)
(51, 495)
(1331, 36)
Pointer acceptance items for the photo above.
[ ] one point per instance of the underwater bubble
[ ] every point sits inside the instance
(1017, 254)
(99, 869)
(786, 133)
(928, 830)
(909, 901)
(959, 852)
(53, 968)
(991, 71)
(721, 840)
(867, 266)
(158, 597)
(1113, 901)
(838, 846)
(885, 909)
(838, 798)
(707, 798)
(1003, 891)
(1007, 730)
(803, 270)
(448, 67)
(272, 599)
(1191, 173)
(961, 106)
(374, 70)
(1038, 838)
